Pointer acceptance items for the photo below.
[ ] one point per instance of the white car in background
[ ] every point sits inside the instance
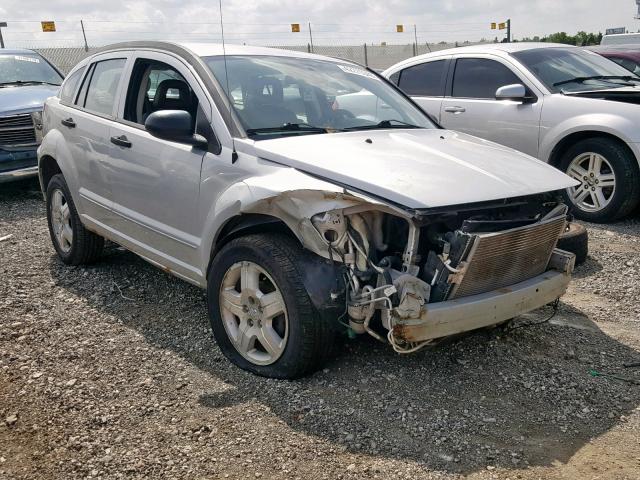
(565, 105)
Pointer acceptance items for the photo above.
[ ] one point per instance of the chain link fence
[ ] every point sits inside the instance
(378, 57)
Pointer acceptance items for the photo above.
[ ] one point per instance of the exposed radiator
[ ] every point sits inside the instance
(498, 260)
(17, 130)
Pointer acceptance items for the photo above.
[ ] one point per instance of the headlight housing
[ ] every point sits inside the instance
(36, 117)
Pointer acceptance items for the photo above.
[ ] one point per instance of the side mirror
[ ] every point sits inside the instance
(515, 92)
(174, 125)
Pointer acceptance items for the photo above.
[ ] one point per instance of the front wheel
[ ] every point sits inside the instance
(261, 314)
(609, 179)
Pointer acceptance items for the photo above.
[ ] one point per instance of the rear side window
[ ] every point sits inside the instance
(424, 79)
(480, 78)
(69, 86)
(102, 86)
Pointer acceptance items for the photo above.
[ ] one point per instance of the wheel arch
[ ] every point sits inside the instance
(246, 224)
(47, 168)
(562, 146)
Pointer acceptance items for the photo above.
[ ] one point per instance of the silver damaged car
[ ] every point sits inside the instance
(247, 174)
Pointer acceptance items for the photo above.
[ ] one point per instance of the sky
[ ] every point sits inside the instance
(267, 22)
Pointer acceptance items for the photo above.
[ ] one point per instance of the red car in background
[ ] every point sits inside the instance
(627, 56)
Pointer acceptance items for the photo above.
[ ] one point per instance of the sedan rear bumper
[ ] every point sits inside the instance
(450, 317)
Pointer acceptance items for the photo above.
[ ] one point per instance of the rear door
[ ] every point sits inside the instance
(156, 182)
(470, 105)
(84, 123)
(425, 83)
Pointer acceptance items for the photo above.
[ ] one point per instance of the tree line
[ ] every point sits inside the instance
(580, 39)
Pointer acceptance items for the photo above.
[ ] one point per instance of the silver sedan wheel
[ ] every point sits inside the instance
(61, 220)
(253, 313)
(597, 182)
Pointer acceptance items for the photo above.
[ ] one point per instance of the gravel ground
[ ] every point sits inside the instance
(110, 371)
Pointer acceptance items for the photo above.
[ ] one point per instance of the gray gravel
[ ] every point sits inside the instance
(110, 371)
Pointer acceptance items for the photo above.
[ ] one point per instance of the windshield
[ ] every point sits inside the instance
(276, 96)
(574, 69)
(26, 68)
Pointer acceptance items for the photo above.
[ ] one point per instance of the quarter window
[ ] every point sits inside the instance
(424, 79)
(480, 78)
(103, 85)
(69, 86)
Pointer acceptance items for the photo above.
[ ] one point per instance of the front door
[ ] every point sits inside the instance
(156, 182)
(471, 106)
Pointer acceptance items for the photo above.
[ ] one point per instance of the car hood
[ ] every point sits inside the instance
(421, 168)
(17, 99)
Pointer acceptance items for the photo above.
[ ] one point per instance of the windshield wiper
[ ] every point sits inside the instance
(28, 82)
(384, 124)
(626, 78)
(288, 127)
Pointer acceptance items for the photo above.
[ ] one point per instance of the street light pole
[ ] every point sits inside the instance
(508, 30)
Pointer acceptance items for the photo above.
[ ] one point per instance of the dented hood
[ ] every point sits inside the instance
(419, 168)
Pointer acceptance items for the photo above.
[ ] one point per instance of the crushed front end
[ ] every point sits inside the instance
(411, 277)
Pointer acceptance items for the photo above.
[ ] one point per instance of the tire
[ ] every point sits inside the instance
(302, 339)
(616, 162)
(575, 240)
(79, 246)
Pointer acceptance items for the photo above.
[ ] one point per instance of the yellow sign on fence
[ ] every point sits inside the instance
(399, 28)
(48, 26)
(493, 25)
(502, 25)
(295, 27)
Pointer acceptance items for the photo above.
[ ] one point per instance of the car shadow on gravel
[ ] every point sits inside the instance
(500, 398)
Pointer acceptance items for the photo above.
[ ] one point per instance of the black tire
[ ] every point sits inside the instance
(575, 240)
(309, 339)
(626, 196)
(86, 246)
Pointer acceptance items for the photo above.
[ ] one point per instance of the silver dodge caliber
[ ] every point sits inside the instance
(248, 174)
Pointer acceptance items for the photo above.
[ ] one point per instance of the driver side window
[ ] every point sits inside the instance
(156, 86)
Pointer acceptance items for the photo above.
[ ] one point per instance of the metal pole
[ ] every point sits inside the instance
(84, 35)
(415, 35)
(310, 37)
(366, 58)
(2, 24)
(509, 30)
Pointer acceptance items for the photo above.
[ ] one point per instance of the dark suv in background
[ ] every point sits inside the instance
(26, 81)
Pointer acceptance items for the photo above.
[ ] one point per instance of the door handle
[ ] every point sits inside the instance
(455, 109)
(121, 141)
(68, 123)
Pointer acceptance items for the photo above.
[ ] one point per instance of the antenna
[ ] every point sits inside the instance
(234, 154)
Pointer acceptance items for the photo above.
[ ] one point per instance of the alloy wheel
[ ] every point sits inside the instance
(597, 182)
(61, 220)
(253, 313)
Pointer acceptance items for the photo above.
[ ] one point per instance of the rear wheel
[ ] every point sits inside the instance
(260, 312)
(74, 244)
(609, 179)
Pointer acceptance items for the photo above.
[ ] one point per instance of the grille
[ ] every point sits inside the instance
(501, 259)
(17, 130)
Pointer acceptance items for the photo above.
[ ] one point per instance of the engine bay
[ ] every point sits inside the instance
(394, 267)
